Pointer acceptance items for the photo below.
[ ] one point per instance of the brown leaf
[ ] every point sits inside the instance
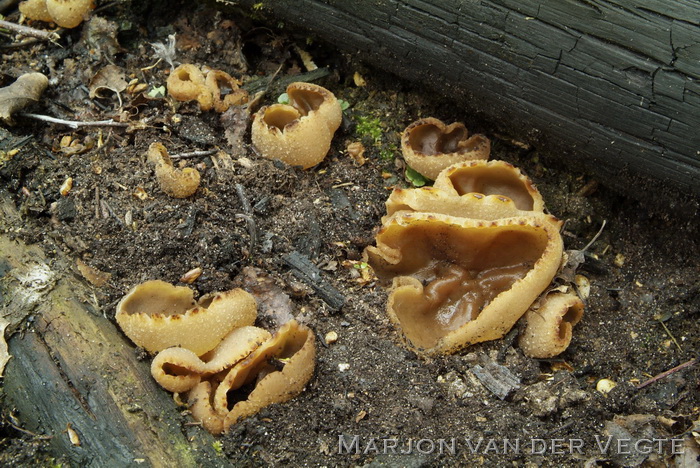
(26, 90)
(111, 78)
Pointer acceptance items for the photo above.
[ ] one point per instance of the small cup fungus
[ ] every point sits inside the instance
(278, 370)
(298, 133)
(459, 281)
(65, 13)
(548, 327)
(178, 183)
(157, 315)
(429, 146)
(218, 90)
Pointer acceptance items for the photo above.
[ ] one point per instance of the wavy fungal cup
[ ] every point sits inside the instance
(429, 146)
(277, 370)
(459, 281)
(217, 90)
(156, 315)
(486, 190)
(491, 178)
(178, 183)
(548, 328)
(179, 369)
(298, 133)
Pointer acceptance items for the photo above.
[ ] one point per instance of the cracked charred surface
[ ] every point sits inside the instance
(612, 85)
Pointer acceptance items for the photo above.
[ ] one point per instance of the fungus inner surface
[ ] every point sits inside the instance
(259, 365)
(305, 100)
(430, 140)
(493, 181)
(280, 116)
(171, 303)
(462, 270)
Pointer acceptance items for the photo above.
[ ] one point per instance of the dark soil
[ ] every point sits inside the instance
(640, 319)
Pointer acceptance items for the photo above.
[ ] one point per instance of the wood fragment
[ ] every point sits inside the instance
(306, 271)
(498, 379)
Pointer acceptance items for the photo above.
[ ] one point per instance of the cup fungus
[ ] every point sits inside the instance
(157, 315)
(429, 146)
(187, 83)
(178, 183)
(225, 90)
(458, 281)
(491, 178)
(548, 327)
(65, 13)
(298, 133)
(179, 369)
(217, 90)
(275, 372)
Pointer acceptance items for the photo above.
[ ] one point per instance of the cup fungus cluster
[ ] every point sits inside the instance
(467, 258)
(214, 90)
(65, 13)
(210, 349)
(298, 133)
(429, 146)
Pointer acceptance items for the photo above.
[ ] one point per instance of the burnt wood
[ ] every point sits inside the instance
(609, 84)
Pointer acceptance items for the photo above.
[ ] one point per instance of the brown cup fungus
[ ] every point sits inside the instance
(486, 190)
(178, 183)
(491, 178)
(298, 133)
(179, 369)
(429, 146)
(65, 13)
(275, 372)
(548, 327)
(156, 315)
(458, 281)
(218, 90)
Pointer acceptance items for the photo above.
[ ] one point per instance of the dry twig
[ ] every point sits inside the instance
(27, 31)
(75, 123)
(667, 373)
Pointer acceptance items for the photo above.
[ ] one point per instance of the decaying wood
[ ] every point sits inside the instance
(305, 270)
(74, 377)
(612, 84)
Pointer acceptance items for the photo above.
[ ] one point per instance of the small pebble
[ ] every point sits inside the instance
(331, 337)
(342, 367)
(604, 386)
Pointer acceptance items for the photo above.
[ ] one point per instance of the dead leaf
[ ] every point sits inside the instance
(93, 275)
(4, 352)
(110, 78)
(25, 90)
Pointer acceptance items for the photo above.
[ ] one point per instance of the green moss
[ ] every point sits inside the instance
(369, 128)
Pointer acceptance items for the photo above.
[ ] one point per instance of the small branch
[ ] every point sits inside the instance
(193, 154)
(27, 31)
(75, 123)
(240, 191)
(667, 373)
